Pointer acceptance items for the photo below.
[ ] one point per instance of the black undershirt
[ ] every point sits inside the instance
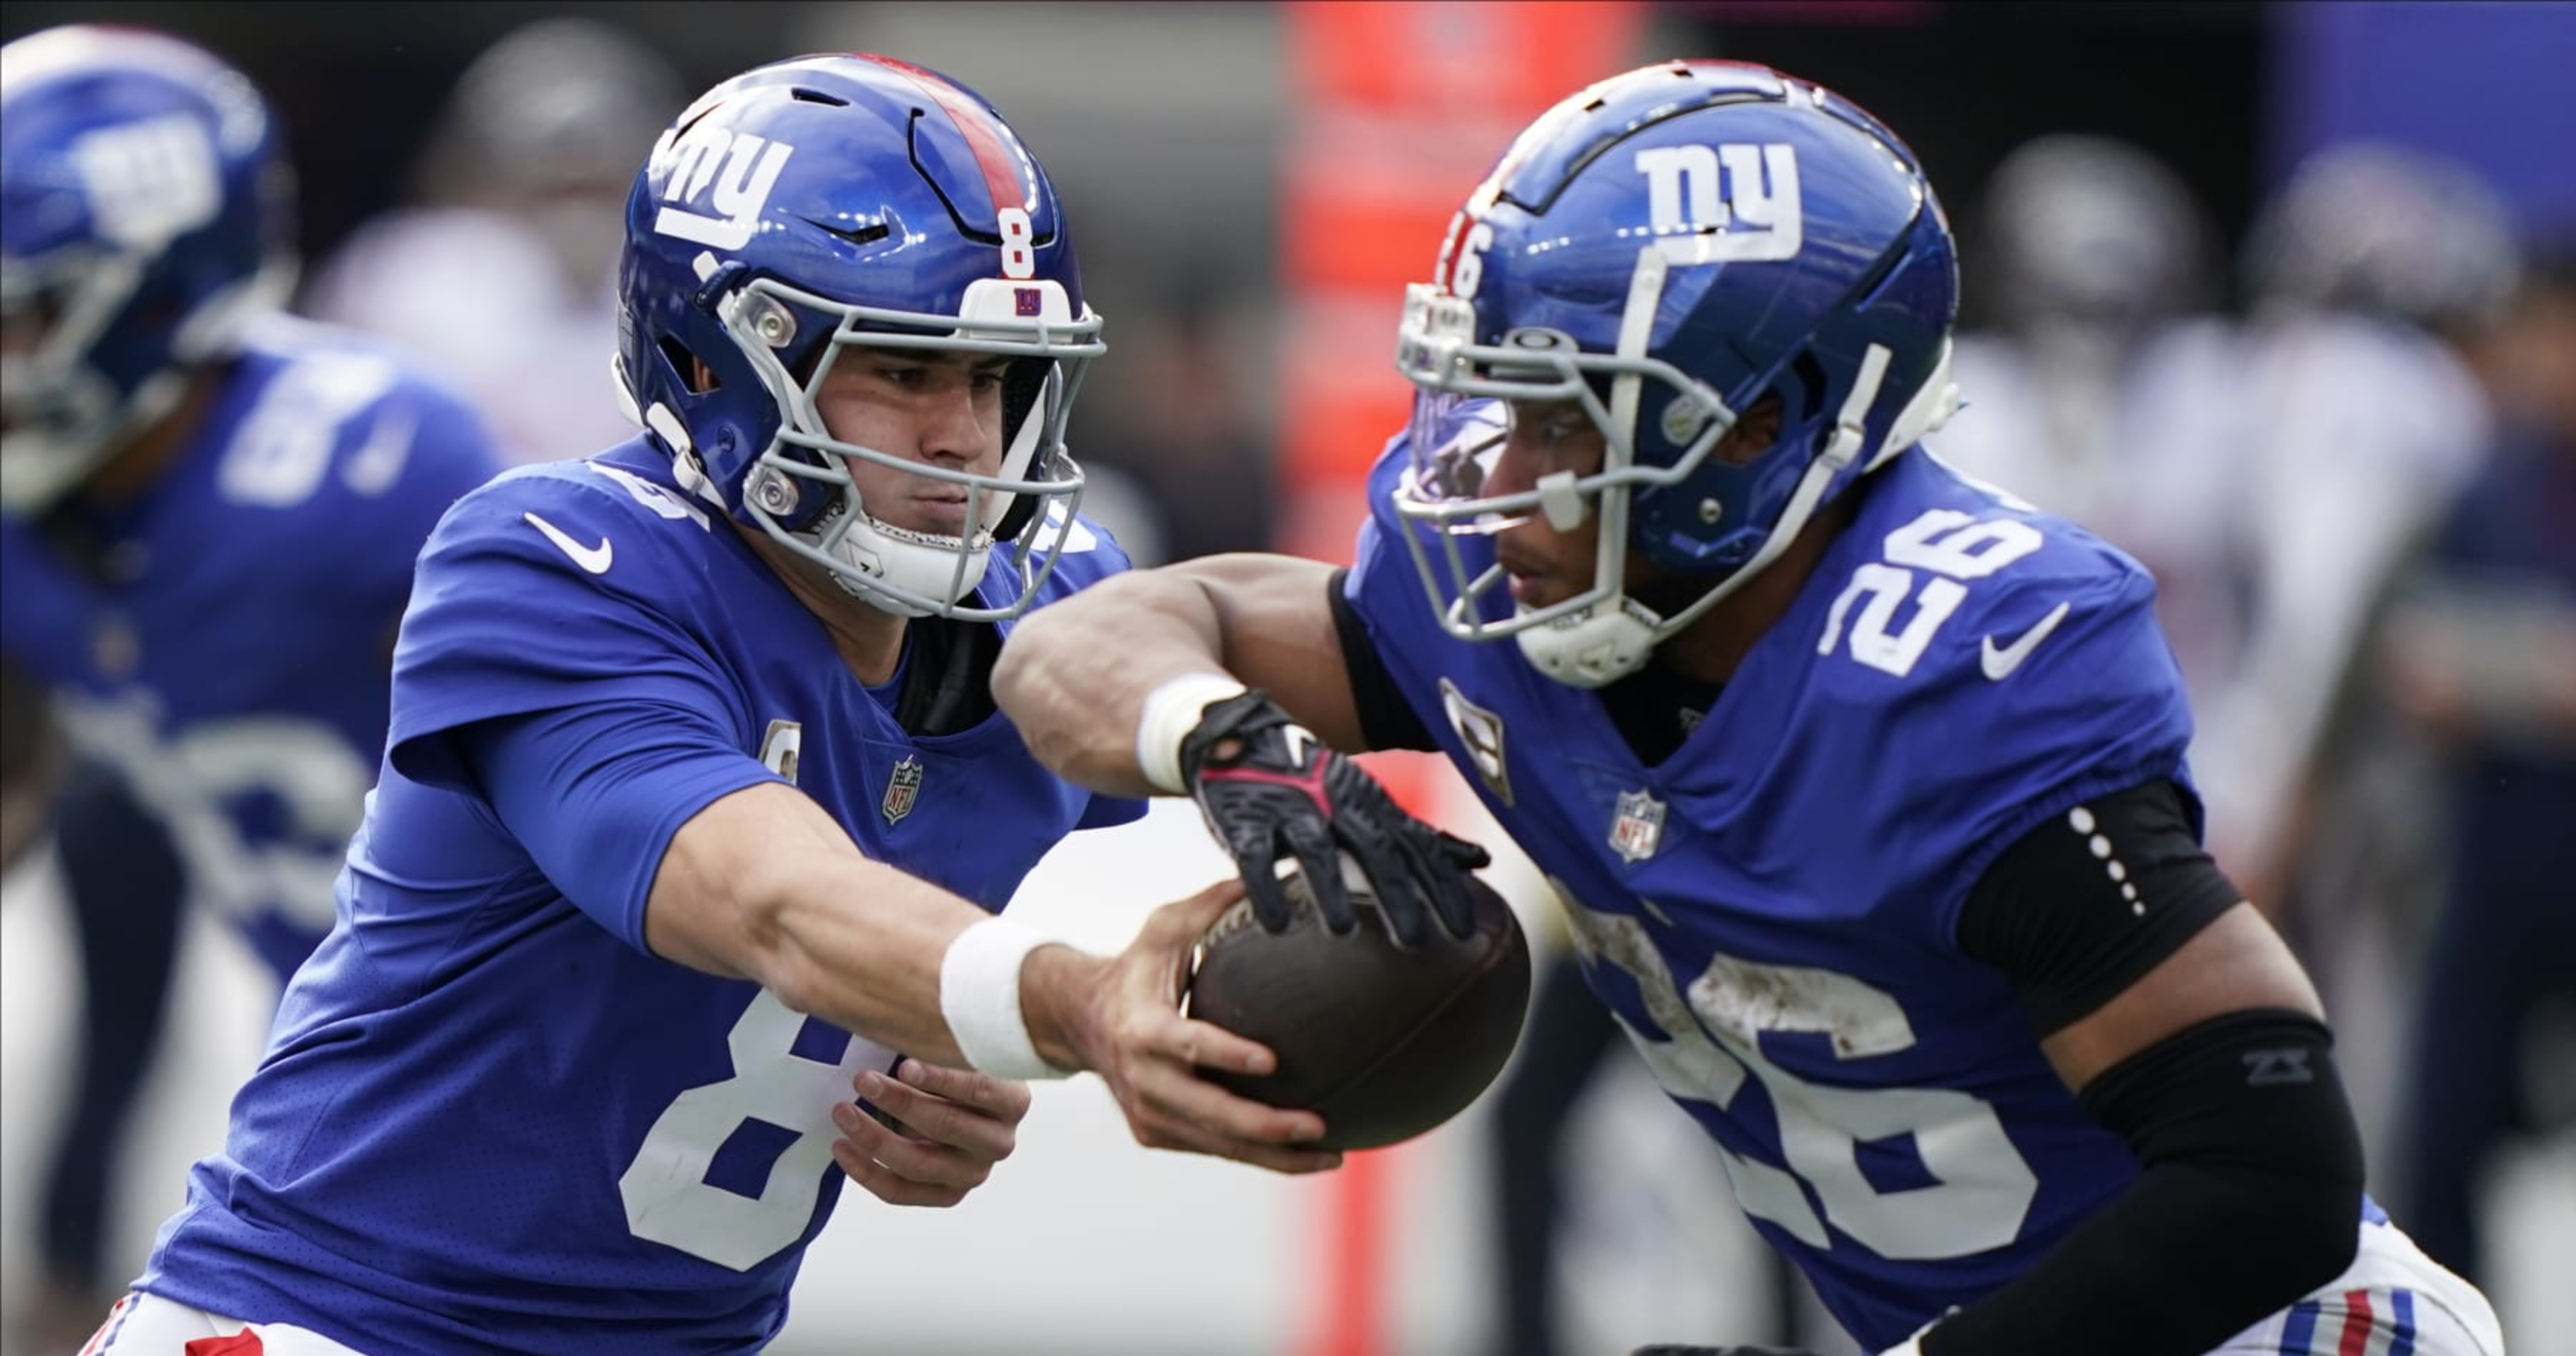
(948, 679)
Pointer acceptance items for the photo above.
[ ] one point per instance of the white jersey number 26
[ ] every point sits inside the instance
(1710, 1044)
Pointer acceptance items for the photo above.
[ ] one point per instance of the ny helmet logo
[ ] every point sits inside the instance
(729, 172)
(149, 182)
(1750, 212)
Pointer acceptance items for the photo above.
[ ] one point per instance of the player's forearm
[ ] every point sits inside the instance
(762, 885)
(860, 947)
(2251, 1198)
(1075, 675)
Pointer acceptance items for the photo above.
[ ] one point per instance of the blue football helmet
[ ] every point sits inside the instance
(1665, 249)
(148, 220)
(832, 202)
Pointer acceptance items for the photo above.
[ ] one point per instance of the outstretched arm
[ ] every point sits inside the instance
(1075, 674)
(758, 882)
(763, 884)
(1228, 679)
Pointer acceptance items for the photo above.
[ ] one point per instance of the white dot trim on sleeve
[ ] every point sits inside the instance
(2082, 820)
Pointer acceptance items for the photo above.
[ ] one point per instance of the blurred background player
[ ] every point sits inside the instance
(2478, 650)
(30, 759)
(1863, 785)
(696, 803)
(2094, 255)
(2299, 456)
(2292, 461)
(208, 515)
(518, 199)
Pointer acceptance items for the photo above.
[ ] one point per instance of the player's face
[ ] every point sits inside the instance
(1547, 438)
(938, 409)
(1547, 566)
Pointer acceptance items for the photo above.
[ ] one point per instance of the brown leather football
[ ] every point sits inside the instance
(1383, 1042)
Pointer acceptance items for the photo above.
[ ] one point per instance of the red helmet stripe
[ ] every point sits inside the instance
(1004, 165)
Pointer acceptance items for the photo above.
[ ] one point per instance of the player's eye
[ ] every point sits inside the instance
(1550, 425)
(908, 376)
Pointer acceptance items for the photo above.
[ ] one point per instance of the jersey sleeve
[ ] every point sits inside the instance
(1108, 812)
(2062, 688)
(538, 593)
(596, 792)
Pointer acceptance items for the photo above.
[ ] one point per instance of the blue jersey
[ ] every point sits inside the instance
(1771, 910)
(489, 1121)
(224, 641)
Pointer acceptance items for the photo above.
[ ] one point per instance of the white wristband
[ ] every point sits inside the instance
(1171, 712)
(979, 995)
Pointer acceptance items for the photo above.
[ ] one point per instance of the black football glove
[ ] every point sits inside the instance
(1268, 787)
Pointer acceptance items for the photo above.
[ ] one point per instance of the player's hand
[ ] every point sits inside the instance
(1132, 1031)
(934, 1134)
(1270, 788)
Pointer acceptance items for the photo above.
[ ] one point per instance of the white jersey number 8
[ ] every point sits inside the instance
(668, 1199)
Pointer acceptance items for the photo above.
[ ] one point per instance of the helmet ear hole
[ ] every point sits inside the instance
(1755, 433)
(694, 374)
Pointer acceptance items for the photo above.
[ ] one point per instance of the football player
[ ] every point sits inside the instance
(1863, 783)
(696, 804)
(208, 516)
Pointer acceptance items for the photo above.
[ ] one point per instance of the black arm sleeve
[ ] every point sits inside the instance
(1385, 717)
(2251, 1194)
(2091, 900)
(2250, 1198)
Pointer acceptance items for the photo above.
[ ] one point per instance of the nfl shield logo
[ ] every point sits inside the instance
(902, 789)
(1639, 829)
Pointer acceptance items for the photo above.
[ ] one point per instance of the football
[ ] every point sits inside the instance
(1383, 1042)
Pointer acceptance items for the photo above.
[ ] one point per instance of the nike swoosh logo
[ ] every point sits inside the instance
(1999, 663)
(1299, 739)
(591, 558)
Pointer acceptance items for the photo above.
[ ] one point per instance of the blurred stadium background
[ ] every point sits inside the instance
(2274, 397)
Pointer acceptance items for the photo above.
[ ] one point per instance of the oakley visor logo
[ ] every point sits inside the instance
(1751, 211)
(730, 173)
